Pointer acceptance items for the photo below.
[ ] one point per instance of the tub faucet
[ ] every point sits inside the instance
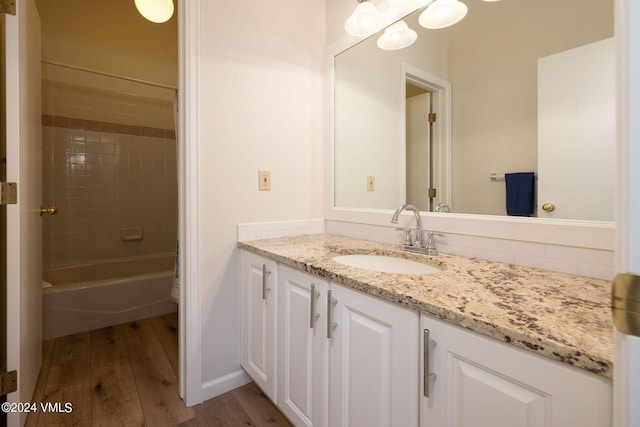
(417, 242)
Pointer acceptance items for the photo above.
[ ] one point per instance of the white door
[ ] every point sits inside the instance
(626, 378)
(577, 132)
(24, 225)
(418, 142)
(302, 347)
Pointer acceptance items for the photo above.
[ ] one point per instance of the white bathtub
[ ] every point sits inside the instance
(98, 294)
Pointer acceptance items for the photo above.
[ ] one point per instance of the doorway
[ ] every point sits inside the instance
(109, 162)
(427, 135)
(421, 190)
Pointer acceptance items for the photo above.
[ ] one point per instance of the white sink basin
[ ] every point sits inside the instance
(386, 264)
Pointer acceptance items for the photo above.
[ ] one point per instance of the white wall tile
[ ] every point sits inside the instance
(101, 181)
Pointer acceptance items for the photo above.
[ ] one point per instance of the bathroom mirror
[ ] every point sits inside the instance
(517, 86)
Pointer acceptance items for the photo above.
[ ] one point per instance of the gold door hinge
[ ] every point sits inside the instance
(8, 6)
(8, 193)
(431, 117)
(432, 193)
(8, 382)
(625, 303)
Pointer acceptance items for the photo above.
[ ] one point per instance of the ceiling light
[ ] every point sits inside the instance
(157, 11)
(365, 20)
(397, 36)
(442, 13)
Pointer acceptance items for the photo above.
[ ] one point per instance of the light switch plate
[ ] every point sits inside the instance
(264, 180)
(371, 183)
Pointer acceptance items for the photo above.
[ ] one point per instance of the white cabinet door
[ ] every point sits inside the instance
(373, 362)
(259, 329)
(481, 382)
(302, 347)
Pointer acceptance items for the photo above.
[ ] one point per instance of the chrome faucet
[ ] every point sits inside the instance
(417, 242)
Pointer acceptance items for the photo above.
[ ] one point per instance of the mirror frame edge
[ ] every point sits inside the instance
(577, 233)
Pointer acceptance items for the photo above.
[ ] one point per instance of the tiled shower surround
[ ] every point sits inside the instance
(109, 163)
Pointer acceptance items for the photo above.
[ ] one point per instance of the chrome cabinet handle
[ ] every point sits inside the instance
(330, 323)
(428, 376)
(265, 273)
(313, 315)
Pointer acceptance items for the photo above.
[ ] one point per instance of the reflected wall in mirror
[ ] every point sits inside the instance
(517, 86)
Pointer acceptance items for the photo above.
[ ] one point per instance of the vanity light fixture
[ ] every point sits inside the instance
(397, 36)
(365, 19)
(442, 13)
(157, 11)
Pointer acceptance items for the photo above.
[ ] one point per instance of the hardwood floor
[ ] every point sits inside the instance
(126, 375)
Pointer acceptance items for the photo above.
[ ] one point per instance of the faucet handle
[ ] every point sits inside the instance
(430, 244)
(408, 240)
(430, 234)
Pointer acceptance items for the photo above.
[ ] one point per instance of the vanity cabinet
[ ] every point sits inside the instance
(259, 321)
(474, 381)
(335, 357)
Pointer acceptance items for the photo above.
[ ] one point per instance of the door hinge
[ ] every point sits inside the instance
(625, 303)
(432, 193)
(431, 117)
(8, 6)
(8, 193)
(8, 382)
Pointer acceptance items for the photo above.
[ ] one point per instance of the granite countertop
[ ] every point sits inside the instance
(557, 315)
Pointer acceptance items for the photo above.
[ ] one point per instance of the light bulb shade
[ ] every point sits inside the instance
(442, 13)
(397, 36)
(157, 11)
(408, 5)
(364, 21)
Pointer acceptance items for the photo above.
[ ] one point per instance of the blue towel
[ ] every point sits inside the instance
(520, 193)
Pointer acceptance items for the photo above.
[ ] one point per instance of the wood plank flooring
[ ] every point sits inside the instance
(126, 375)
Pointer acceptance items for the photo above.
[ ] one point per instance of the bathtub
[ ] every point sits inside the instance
(98, 294)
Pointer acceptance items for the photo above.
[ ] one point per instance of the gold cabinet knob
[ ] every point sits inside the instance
(548, 207)
(50, 210)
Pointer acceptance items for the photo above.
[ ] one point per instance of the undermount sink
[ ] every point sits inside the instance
(386, 264)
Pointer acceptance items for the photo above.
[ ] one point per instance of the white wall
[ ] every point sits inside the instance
(260, 86)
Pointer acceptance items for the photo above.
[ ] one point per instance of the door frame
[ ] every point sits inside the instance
(190, 323)
(626, 379)
(3, 218)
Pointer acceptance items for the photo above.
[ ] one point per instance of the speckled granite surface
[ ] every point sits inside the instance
(561, 316)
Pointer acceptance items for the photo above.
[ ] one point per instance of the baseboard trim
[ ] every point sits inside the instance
(218, 386)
